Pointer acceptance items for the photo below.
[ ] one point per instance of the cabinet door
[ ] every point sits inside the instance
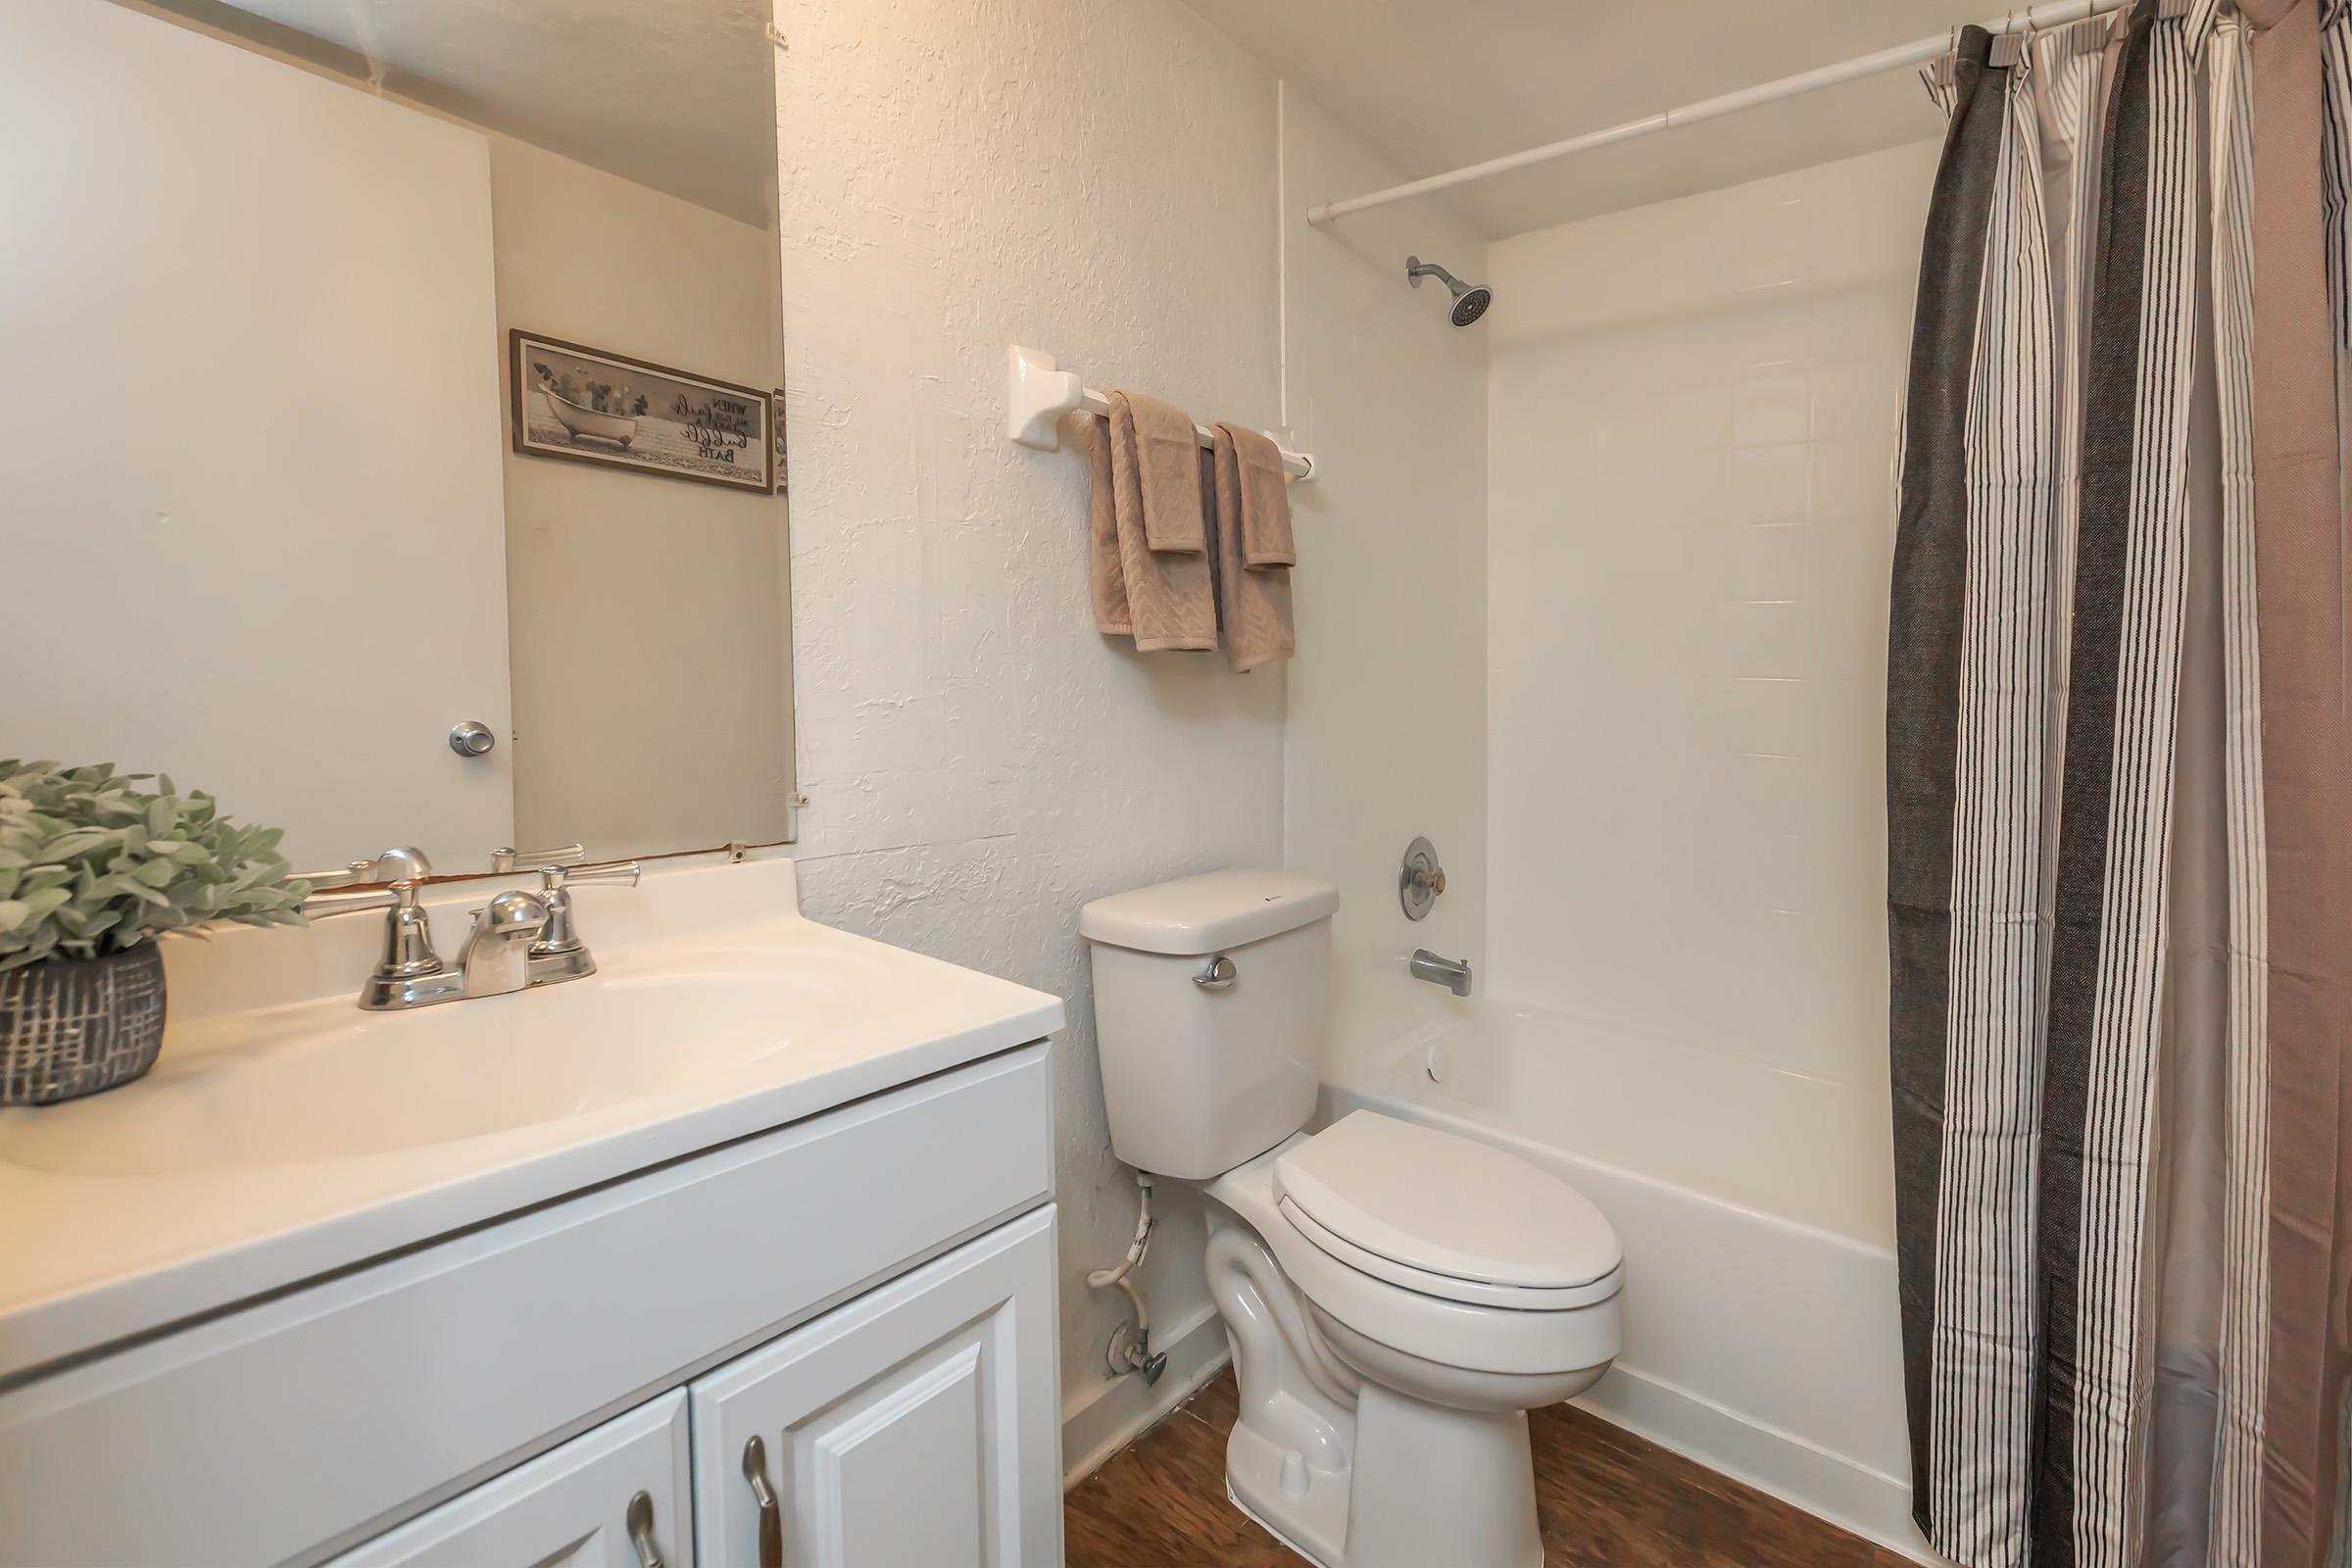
(916, 1427)
(572, 1507)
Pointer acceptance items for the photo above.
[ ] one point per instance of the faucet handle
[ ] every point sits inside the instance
(514, 860)
(342, 876)
(559, 952)
(325, 905)
(398, 864)
(406, 960)
(555, 878)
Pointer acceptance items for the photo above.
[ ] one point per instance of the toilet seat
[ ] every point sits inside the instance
(1445, 1215)
(1447, 1286)
(1404, 1309)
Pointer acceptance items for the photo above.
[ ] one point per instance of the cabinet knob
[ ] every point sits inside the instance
(771, 1516)
(641, 1530)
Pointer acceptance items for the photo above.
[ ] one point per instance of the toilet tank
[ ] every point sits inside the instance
(1205, 1067)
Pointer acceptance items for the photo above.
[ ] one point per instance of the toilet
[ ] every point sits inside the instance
(1397, 1297)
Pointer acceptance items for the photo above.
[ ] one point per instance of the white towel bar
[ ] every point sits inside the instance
(1037, 393)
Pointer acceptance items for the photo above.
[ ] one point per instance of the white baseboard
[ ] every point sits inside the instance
(1851, 1496)
(1117, 1412)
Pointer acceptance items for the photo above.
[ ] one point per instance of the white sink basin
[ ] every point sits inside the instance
(285, 1134)
(323, 1081)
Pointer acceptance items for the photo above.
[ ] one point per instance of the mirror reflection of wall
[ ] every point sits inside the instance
(294, 519)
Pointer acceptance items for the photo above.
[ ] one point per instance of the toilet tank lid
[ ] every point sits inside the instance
(1208, 913)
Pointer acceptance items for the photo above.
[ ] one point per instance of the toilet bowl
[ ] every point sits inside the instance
(1397, 1298)
(1383, 1404)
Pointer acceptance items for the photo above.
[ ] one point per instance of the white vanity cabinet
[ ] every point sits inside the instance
(901, 1429)
(615, 1497)
(909, 1427)
(870, 1289)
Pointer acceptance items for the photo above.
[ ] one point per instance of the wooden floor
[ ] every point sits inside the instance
(1607, 1499)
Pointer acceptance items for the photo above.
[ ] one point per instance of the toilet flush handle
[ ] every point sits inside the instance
(1218, 976)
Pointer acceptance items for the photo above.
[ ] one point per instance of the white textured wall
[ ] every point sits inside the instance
(1694, 413)
(1388, 722)
(1095, 178)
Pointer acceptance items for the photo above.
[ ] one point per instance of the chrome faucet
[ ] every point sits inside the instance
(498, 950)
(518, 940)
(1452, 974)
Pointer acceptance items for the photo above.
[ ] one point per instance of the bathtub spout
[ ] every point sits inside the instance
(1452, 974)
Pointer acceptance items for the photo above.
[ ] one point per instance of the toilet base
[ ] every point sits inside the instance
(1438, 1484)
(1308, 1515)
(1428, 1485)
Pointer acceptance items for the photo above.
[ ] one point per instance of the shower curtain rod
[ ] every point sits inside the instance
(1730, 102)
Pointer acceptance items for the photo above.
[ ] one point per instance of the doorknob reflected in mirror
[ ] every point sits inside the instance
(470, 738)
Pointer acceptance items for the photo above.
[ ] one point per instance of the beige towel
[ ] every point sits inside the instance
(1167, 451)
(1150, 566)
(1266, 500)
(1253, 603)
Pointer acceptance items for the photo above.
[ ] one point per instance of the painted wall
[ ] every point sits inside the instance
(1695, 409)
(1095, 178)
(1387, 723)
(652, 668)
(246, 314)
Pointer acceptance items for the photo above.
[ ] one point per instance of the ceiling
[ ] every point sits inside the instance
(675, 94)
(660, 91)
(1435, 85)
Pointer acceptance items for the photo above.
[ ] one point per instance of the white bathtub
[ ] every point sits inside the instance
(1756, 1211)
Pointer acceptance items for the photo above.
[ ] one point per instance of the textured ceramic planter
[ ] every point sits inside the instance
(74, 1026)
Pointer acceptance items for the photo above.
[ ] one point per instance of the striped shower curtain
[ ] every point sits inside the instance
(2120, 797)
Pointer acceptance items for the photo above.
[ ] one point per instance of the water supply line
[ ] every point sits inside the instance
(1131, 1348)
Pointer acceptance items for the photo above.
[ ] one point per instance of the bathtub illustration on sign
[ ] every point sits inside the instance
(617, 428)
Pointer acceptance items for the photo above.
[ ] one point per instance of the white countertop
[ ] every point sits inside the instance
(98, 1243)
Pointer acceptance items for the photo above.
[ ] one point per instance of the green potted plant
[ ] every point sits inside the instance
(92, 869)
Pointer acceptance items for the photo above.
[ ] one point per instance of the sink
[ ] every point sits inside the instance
(285, 1134)
(321, 1080)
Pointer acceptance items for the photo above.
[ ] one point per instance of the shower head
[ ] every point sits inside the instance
(1470, 300)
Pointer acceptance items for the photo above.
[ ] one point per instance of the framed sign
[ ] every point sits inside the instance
(776, 416)
(587, 406)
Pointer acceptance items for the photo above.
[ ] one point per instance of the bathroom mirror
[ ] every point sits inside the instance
(396, 395)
